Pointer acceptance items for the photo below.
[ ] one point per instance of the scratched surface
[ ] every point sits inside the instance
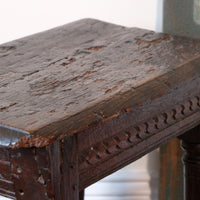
(52, 76)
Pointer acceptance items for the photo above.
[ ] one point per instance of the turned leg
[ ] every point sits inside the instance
(191, 162)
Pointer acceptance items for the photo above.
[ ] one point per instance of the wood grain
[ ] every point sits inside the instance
(64, 166)
(171, 171)
(83, 100)
(30, 173)
(62, 81)
(112, 153)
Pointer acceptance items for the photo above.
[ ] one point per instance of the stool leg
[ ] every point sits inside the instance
(81, 195)
(171, 176)
(191, 161)
(64, 165)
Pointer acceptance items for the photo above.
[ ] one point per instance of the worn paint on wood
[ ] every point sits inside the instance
(30, 173)
(67, 74)
(88, 98)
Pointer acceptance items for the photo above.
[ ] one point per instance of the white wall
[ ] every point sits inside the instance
(137, 181)
(20, 18)
(24, 17)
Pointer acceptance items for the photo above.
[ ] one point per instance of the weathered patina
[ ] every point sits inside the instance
(80, 101)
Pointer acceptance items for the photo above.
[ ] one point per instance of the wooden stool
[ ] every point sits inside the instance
(83, 100)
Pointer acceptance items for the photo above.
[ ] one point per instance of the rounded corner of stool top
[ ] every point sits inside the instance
(10, 135)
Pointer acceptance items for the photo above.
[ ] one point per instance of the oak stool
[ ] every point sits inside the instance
(83, 100)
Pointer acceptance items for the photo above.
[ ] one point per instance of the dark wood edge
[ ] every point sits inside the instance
(64, 168)
(118, 104)
(125, 147)
(190, 144)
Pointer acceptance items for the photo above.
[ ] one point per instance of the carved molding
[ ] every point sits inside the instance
(133, 135)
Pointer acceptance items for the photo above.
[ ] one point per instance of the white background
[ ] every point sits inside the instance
(19, 18)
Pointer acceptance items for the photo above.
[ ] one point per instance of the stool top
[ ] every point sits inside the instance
(67, 79)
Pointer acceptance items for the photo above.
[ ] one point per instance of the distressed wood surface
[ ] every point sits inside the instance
(71, 78)
(92, 97)
(31, 174)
